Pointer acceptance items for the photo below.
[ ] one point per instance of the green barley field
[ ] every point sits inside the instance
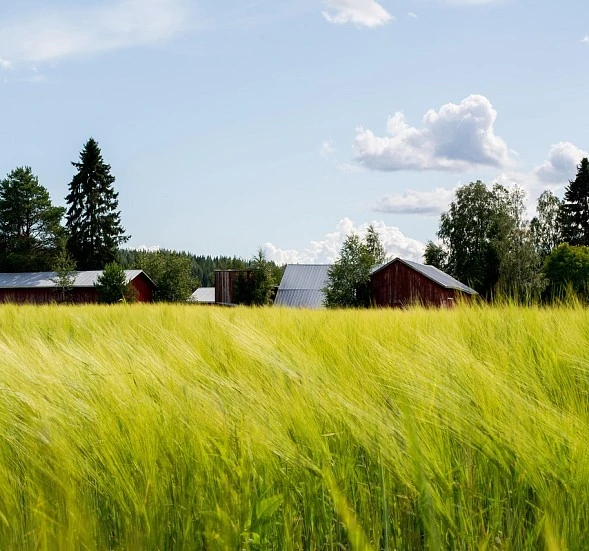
(185, 428)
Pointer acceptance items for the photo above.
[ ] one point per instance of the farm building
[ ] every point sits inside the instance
(302, 286)
(226, 283)
(40, 287)
(400, 283)
(203, 295)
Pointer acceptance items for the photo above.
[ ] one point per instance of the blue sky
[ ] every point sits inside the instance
(287, 124)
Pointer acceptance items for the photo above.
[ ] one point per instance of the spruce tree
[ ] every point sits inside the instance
(575, 208)
(92, 218)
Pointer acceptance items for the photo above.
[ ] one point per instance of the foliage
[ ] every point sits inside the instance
(255, 284)
(575, 208)
(435, 255)
(113, 286)
(92, 218)
(170, 427)
(567, 270)
(520, 263)
(170, 271)
(65, 274)
(29, 224)
(469, 231)
(545, 227)
(349, 277)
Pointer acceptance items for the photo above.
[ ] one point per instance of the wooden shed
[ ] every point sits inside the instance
(40, 287)
(226, 284)
(401, 283)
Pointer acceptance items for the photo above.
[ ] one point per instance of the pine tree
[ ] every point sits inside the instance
(575, 208)
(92, 218)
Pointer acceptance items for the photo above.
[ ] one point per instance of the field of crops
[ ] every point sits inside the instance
(185, 427)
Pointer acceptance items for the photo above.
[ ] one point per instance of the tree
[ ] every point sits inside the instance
(546, 226)
(469, 231)
(575, 207)
(567, 269)
(170, 271)
(349, 277)
(520, 264)
(113, 286)
(92, 219)
(30, 227)
(435, 255)
(65, 274)
(254, 285)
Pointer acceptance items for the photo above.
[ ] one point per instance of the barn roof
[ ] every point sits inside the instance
(41, 280)
(302, 286)
(433, 273)
(203, 294)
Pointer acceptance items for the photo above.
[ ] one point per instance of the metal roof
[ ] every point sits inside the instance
(203, 294)
(41, 280)
(302, 286)
(433, 273)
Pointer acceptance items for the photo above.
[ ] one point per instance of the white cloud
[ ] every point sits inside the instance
(327, 249)
(561, 165)
(364, 13)
(430, 203)
(412, 15)
(456, 137)
(5, 64)
(327, 150)
(585, 39)
(91, 28)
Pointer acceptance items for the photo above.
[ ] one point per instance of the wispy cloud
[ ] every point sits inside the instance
(430, 203)
(327, 250)
(412, 15)
(327, 150)
(5, 64)
(585, 39)
(363, 13)
(455, 138)
(91, 28)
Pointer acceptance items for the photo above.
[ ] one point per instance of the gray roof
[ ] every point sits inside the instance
(433, 273)
(41, 280)
(302, 286)
(203, 294)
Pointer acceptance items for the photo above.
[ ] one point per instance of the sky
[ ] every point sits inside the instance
(287, 125)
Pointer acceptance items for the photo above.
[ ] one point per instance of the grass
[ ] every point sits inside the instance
(171, 427)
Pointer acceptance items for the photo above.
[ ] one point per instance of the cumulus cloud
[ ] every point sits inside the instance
(455, 138)
(561, 165)
(91, 27)
(327, 249)
(364, 13)
(430, 203)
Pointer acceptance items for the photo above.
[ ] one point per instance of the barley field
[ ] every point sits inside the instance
(140, 427)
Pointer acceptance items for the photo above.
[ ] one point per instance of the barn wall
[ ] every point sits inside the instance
(143, 287)
(225, 281)
(81, 295)
(399, 285)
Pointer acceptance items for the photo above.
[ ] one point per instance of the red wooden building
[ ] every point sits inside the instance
(401, 283)
(40, 287)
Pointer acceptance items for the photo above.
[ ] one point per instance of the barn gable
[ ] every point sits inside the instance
(403, 282)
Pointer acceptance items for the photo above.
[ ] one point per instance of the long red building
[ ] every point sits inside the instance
(41, 287)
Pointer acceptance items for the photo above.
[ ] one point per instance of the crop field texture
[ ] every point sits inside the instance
(185, 427)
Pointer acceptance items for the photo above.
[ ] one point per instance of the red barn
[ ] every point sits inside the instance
(400, 283)
(40, 287)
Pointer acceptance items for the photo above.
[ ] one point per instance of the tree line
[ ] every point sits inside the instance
(87, 234)
(487, 241)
